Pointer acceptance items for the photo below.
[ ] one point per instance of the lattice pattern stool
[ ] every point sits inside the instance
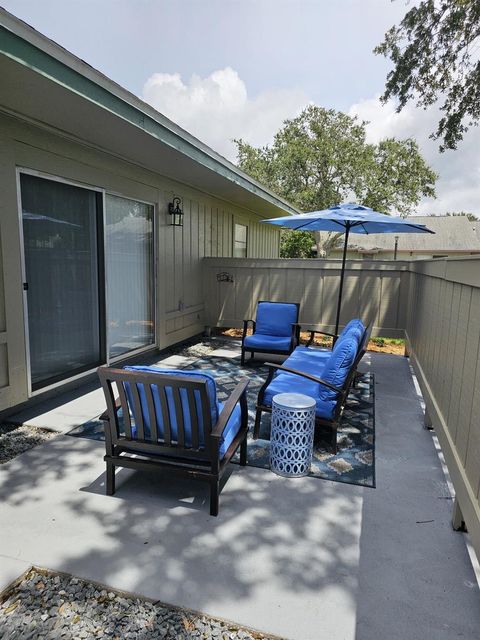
(291, 438)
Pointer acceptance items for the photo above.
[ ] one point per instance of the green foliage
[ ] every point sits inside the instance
(471, 216)
(322, 158)
(435, 55)
(382, 342)
(296, 244)
(396, 177)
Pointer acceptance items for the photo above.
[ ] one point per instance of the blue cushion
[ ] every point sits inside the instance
(333, 367)
(337, 367)
(308, 360)
(290, 383)
(312, 360)
(276, 318)
(232, 428)
(212, 396)
(261, 341)
(355, 323)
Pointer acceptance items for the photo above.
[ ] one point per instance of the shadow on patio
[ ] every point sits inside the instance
(303, 558)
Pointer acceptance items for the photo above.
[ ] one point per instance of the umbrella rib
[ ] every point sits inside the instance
(313, 221)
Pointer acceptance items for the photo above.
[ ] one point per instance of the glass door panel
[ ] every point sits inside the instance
(129, 273)
(60, 232)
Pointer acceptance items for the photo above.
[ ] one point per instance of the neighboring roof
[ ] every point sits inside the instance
(39, 76)
(452, 233)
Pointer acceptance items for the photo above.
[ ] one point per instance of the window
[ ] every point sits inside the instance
(240, 234)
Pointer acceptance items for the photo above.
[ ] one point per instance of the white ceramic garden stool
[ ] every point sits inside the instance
(291, 437)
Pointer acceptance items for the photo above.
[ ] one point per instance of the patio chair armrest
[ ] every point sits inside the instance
(229, 406)
(312, 333)
(245, 327)
(104, 417)
(296, 333)
(308, 376)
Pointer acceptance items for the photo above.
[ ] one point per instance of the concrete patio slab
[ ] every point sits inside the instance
(305, 559)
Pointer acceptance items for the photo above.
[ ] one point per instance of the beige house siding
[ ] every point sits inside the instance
(207, 231)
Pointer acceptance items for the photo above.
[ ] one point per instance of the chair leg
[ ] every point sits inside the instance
(256, 428)
(214, 496)
(242, 358)
(243, 452)
(333, 440)
(110, 486)
(252, 354)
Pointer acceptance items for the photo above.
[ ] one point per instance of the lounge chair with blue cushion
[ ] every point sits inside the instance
(275, 330)
(163, 418)
(323, 375)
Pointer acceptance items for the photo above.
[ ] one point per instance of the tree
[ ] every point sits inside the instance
(435, 55)
(470, 216)
(296, 244)
(322, 158)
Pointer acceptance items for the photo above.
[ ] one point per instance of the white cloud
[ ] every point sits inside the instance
(458, 185)
(217, 109)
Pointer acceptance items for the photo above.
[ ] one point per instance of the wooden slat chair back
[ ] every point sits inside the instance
(168, 420)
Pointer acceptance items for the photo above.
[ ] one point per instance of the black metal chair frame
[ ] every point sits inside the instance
(294, 340)
(150, 453)
(325, 430)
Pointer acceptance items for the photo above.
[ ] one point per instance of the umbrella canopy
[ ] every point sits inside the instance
(348, 218)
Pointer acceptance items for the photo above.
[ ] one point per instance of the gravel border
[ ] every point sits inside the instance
(46, 604)
(16, 439)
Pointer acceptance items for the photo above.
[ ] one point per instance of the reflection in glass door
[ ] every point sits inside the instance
(61, 229)
(129, 275)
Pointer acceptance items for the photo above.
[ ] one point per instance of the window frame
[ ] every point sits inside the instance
(238, 223)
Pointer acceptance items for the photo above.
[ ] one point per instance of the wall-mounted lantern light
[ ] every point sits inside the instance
(176, 212)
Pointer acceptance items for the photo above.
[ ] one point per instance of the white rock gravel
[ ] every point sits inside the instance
(15, 439)
(47, 605)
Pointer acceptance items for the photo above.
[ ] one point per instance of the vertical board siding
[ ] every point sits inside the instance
(373, 294)
(443, 331)
(207, 232)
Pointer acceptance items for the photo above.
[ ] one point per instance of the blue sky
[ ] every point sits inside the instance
(237, 68)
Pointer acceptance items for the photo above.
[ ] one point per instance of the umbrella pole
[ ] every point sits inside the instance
(342, 275)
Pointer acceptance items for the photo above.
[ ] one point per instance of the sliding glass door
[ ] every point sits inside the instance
(129, 275)
(62, 235)
(89, 282)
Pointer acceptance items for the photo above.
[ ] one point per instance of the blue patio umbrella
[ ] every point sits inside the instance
(348, 218)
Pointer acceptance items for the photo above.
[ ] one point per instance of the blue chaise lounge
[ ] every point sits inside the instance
(324, 375)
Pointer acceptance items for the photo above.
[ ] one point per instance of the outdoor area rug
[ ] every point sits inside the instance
(354, 463)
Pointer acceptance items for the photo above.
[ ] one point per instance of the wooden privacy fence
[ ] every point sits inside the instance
(376, 291)
(435, 304)
(443, 334)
